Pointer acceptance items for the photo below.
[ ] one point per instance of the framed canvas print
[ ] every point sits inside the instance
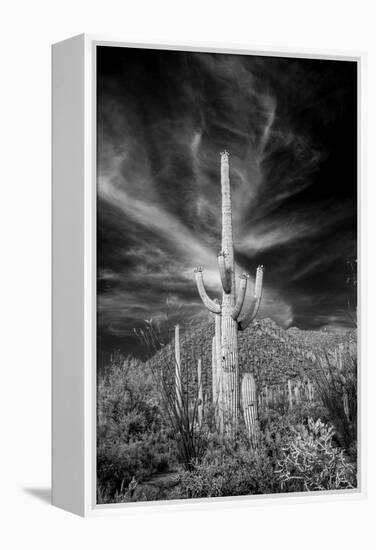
(205, 275)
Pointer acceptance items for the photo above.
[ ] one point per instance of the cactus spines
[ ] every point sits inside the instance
(178, 384)
(229, 310)
(249, 405)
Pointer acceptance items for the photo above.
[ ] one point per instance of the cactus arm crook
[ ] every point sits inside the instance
(241, 295)
(224, 272)
(246, 319)
(210, 304)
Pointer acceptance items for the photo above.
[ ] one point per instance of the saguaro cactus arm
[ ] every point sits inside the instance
(225, 273)
(210, 304)
(241, 295)
(246, 319)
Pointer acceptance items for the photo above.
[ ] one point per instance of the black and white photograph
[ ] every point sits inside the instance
(226, 246)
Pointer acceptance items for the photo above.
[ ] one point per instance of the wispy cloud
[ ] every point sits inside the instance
(304, 224)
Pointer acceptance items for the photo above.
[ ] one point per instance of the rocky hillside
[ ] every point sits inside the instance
(271, 353)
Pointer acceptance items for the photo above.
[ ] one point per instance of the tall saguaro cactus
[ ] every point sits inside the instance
(230, 310)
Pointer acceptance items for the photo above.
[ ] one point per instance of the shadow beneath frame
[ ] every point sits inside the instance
(41, 493)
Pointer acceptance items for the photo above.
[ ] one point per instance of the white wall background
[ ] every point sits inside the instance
(27, 30)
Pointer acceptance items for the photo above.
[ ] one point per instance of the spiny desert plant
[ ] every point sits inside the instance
(182, 410)
(336, 383)
(249, 404)
(230, 311)
(311, 462)
(190, 434)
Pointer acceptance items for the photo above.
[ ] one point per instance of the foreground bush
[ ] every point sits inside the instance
(240, 470)
(132, 440)
(336, 382)
(288, 458)
(311, 462)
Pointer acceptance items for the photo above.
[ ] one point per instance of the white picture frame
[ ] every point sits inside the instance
(74, 277)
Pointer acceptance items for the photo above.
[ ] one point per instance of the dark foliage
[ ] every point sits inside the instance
(132, 440)
(336, 382)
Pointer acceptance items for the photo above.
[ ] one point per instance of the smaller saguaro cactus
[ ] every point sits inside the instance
(289, 387)
(297, 394)
(249, 405)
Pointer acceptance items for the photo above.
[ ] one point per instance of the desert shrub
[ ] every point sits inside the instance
(311, 462)
(335, 383)
(132, 438)
(274, 422)
(126, 493)
(182, 415)
(275, 433)
(179, 400)
(228, 470)
(118, 461)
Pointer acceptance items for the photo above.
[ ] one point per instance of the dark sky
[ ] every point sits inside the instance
(290, 126)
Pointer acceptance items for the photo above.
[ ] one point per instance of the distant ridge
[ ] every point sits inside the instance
(270, 353)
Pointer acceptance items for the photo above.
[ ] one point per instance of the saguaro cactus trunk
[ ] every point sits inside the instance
(229, 328)
(230, 310)
(216, 372)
